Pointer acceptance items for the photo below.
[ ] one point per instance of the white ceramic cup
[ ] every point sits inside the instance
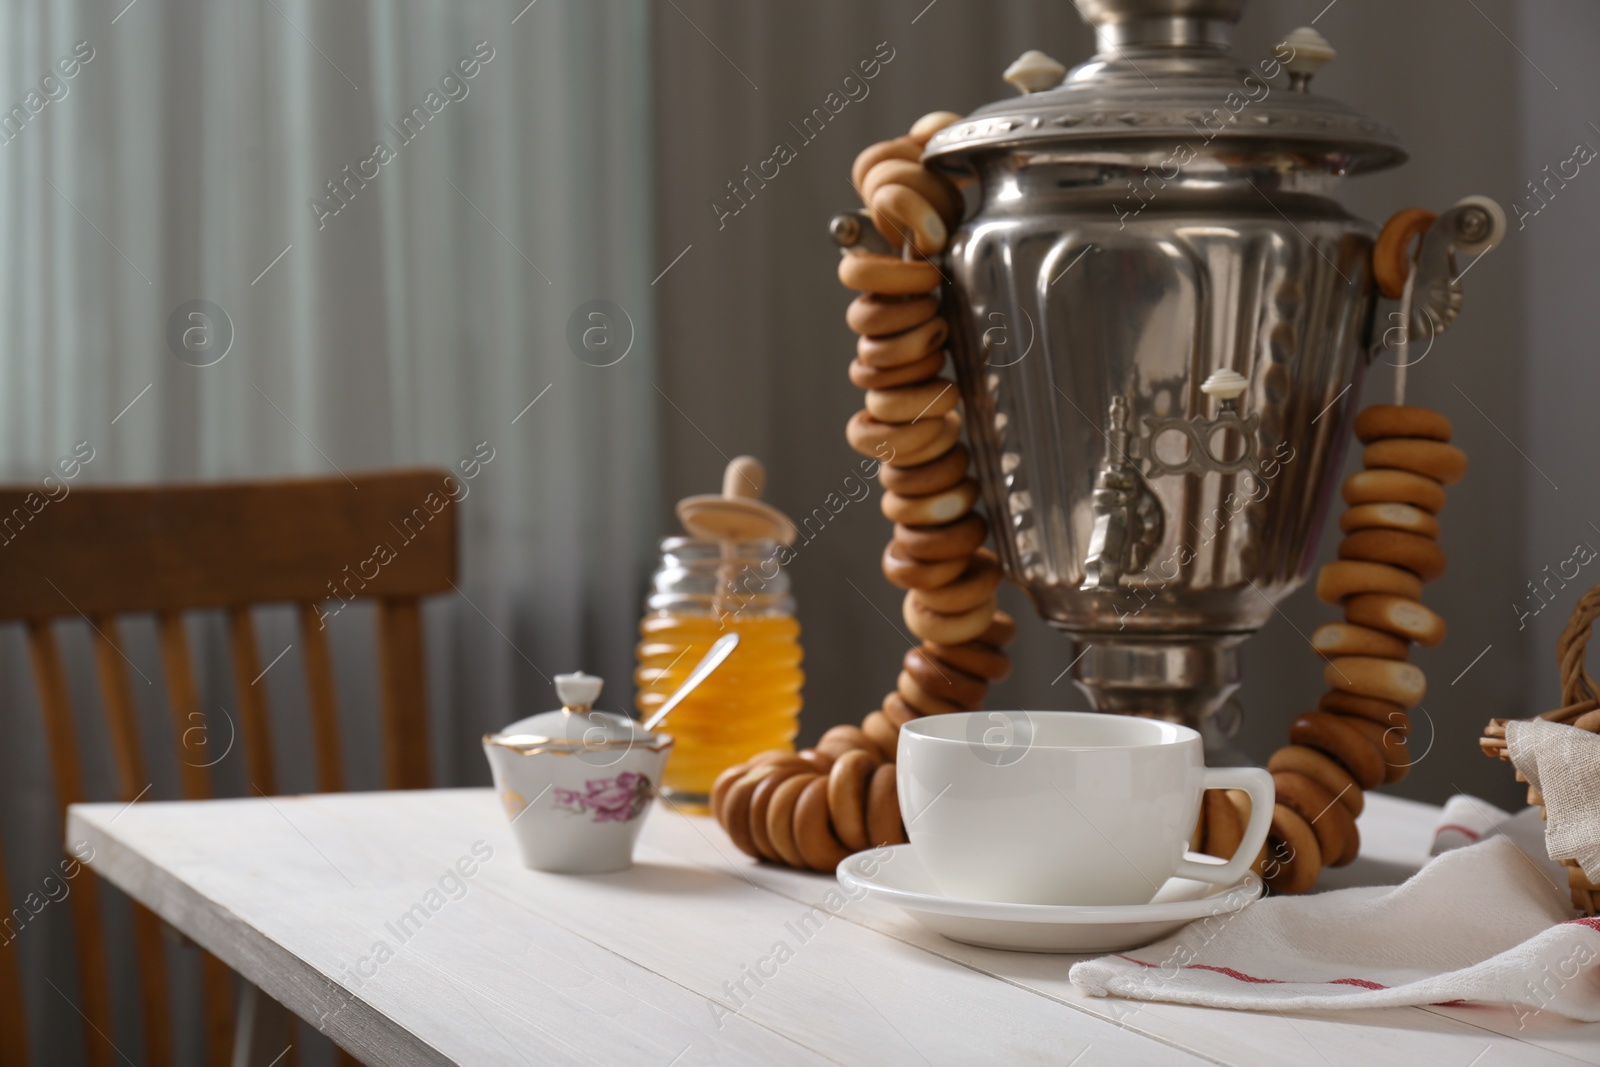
(1064, 807)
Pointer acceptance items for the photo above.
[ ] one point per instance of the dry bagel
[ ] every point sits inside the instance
(976, 584)
(922, 700)
(896, 350)
(1403, 517)
(935, 509)
(973, 657)
(837, 740)
(936, 190)
(901, 213)
(945, 629)
(1325, 815)
(887, 275)
(924, 128)
(847, 798)
(1294, 859)
(761, 801)
(1390, 420)
(931, 477)
(1421, 556)
(864, 377)
(1001, 632)
(1346, 578)
(936, 544)
(1394, 487)
(875, 315)
(897, 711)
(872, 438)
(1385, 679)
(1222, 829)
(883, 809)
(949, 433)
(1443, 462)
(1391, 253)
(1395, 615)
(1386, 712)
(908, 573)
(813, 836)
(1348, 639)
(1391, 745)
(1322, 769)
(780, 817)
(912, 403)
(1334, 736)
(882, 731)
(944, 681)
(870, 156)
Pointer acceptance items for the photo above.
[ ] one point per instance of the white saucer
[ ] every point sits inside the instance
(901, 880)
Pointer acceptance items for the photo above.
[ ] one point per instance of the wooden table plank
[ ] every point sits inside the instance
(845, 991)
(1399, 832)
(477, 982)
(637, 967)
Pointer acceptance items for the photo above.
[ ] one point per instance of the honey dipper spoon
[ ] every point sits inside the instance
(720, 650)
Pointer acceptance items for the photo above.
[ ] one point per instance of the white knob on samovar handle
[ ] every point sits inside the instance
(1308, 51)
(1226, 384)
(1034, 72)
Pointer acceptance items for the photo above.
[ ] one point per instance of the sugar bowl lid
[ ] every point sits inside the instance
(576, 726)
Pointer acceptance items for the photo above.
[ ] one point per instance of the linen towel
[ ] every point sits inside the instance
(1563, 763)
(1485, 923)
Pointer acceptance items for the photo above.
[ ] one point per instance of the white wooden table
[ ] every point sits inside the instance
(354, 911)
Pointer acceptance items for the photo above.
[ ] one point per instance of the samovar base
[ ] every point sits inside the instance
(1187, 679)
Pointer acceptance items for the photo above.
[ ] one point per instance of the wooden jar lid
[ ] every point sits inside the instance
(739, 513)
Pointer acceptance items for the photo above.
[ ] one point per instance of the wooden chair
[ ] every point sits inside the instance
(97, 553)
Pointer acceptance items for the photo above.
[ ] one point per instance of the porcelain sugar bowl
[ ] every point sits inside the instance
(576, 783)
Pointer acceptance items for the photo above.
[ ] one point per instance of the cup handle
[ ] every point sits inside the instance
(1257, 783)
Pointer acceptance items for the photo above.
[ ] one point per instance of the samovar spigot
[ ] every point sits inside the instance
(1128, 521)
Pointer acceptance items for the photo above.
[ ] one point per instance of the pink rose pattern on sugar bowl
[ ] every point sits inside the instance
(619, 799)
(575, 783)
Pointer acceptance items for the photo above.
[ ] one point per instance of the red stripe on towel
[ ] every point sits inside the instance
(1242, 977)
(1462, 830)
(1592, 923)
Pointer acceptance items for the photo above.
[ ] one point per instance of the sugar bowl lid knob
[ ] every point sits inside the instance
(578, 692)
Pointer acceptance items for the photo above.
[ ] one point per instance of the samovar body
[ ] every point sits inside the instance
(1160, 317)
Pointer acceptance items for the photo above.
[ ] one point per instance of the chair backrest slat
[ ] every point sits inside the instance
(94, 999)
(323, 701)
(13, 1017)
(255, 725)
(402, 684)
(117, 696)
(122, 724)
(190, 727)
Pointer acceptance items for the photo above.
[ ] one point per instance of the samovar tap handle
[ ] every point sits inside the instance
(1128, 520)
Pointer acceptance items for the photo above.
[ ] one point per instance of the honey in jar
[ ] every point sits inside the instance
(752, 702)
(708, 585)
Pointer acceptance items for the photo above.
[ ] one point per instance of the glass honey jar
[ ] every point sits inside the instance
(701, 591)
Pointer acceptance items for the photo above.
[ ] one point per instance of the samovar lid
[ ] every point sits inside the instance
(1164, 71)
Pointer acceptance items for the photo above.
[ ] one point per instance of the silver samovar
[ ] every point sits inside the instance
(1160, 318)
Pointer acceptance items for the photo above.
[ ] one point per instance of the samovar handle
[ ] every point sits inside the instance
(1429, 288)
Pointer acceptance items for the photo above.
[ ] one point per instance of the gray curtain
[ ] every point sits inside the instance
(755, 347)
(405, 314)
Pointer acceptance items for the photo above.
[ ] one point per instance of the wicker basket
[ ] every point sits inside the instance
(1580, 699)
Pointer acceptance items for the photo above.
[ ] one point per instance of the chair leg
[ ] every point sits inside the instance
(261, 1037)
